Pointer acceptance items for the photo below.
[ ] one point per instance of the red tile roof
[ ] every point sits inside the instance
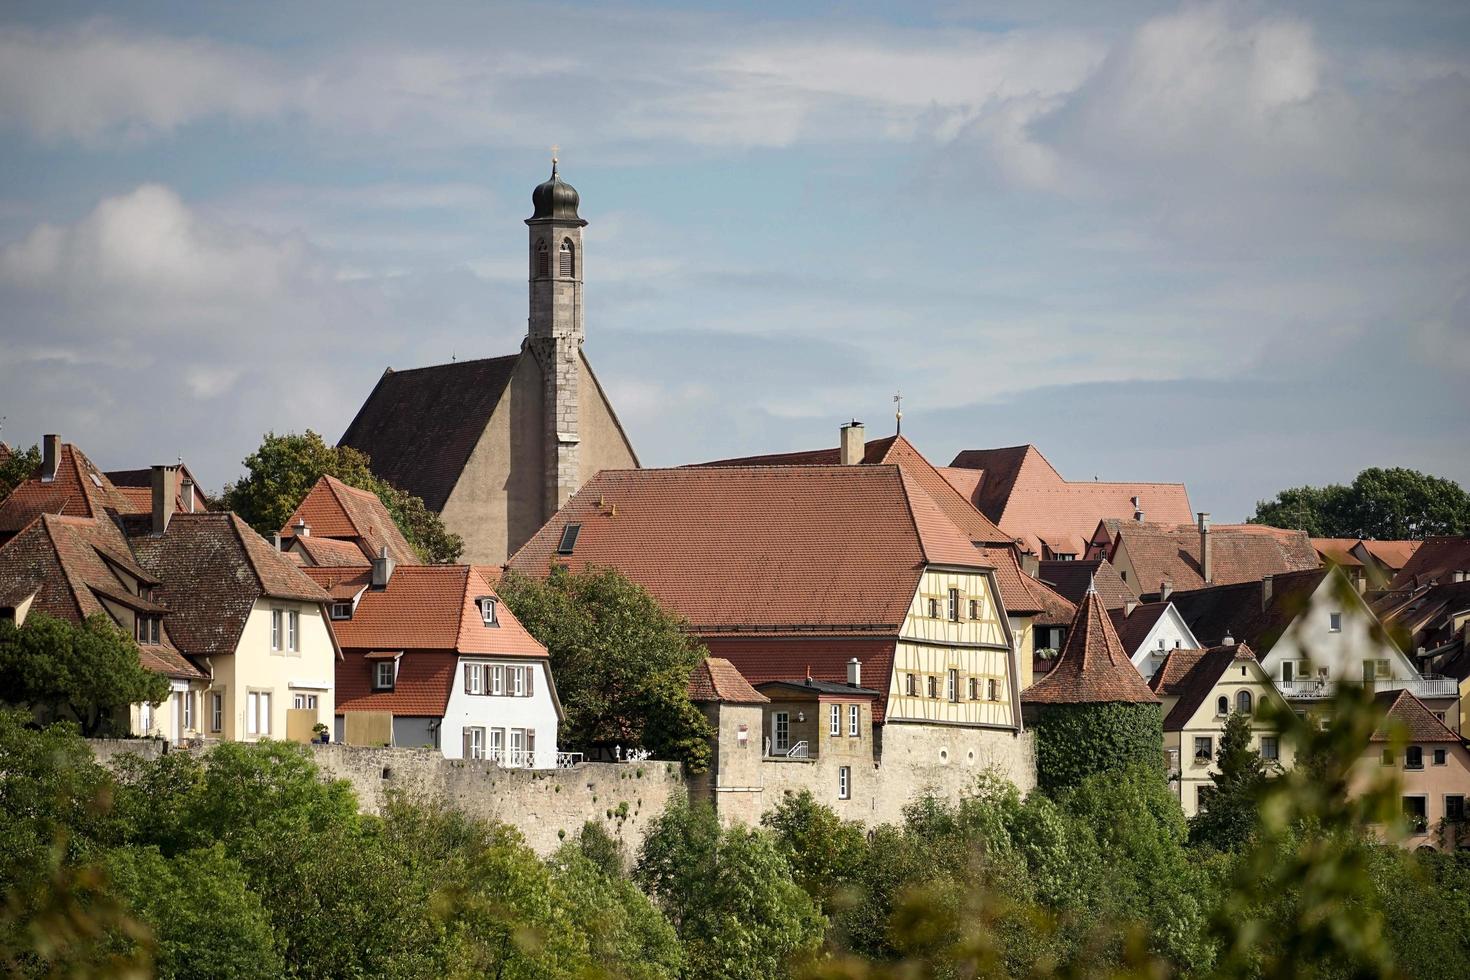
(1239, 553)
(1190, 675)
(424, 607)
(422, 688)
(1407, 716)
(763, 659)
(1243, 612)
(1392, 555)
(1023, 595)
(895, 451)
(79, 489)
(717, 679)
(332, 509)
(1437, 559)
(1023, 493)
(1093, 667)
(1071, 579)
(329, 552)
(137, 486)
(1339, 551)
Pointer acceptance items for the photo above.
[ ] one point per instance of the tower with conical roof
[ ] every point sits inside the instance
(556, 329)
(1092, 712)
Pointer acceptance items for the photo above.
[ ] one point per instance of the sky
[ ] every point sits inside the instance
(1226, 244)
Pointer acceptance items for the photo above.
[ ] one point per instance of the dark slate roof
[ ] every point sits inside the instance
(1133, 627)
(1190, 675)
(819, 687)
(420, 426)
(1093, 667)
(1437, 559)
(1242, 611)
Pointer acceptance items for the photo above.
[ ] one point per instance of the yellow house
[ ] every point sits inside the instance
(1201, 689)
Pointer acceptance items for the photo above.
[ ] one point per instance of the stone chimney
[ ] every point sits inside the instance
(1267, 585)
(853, 447)
(1206, 556)
(1166, 589)
(165, 494)
(1229, 641)
(301, 529)
(383, 566)
(854, 673)
(186, 491)
(50, 456)
(1030, 564)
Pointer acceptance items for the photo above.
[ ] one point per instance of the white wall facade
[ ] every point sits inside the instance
(504, 713)
(308, 670)
(1170, 632)
(1335, 653)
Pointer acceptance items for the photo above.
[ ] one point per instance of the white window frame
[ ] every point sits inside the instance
(303, 702)
(293, 630)
(186, 710)
(844, 782)
(145, 717)
(487, 612)
(477, 741)
(341, 610)
(497, 680)
(474, 679)
(216, 711)
(834, 720)
(1334, 622)
(854, 720)
(276, 627)
(258, 714)
(952, 684)
(1208, 755)
(517, 747)
(378, 684)
(518, 675)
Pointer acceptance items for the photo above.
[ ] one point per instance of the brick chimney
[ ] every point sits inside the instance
(1267, 585)
(853, 447)
(854, 673)
(301, 528)
(1206, 556)
(383, 566)
(165, 494)
(50, 455)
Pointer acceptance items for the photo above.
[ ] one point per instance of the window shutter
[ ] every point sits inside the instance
(467, 678)
(465, 750)
(530, 682)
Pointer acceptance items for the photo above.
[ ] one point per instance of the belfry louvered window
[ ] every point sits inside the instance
(568, 259)
(543, 259)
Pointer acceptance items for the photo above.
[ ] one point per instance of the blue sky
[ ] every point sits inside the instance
(1227, 244)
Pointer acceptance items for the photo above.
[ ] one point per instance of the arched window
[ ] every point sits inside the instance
(543, 259)
(568, 259)
(1222, 706)
(1243, 702)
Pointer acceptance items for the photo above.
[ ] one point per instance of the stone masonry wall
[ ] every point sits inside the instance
(542, 804)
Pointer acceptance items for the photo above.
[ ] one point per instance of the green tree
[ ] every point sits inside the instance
(1229, 816)
(824, 851)
(90, 670)
(621, 662)
(17, 469)
(1391, 504)
(206, 922)
(284, 468)
(729, 894)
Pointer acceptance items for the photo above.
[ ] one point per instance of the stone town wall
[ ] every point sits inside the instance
(916, 760)
(108, 749)
(542, 804)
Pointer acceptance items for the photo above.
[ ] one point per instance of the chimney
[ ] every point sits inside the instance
(1128, 607)
(50, 454)
(1166, 589)
(165, 492)
(852, 445)
(1206, 562)
(276, 540)
(186, 490)
(1229, 641)
(1138, 516)
(854, 673)
(1266, 588)
(382, 569)
(1030, 564)
(301, 528)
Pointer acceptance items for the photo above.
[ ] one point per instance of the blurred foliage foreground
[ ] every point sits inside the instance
(244, 863)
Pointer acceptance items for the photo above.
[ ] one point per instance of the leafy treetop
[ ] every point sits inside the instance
(1385, 504)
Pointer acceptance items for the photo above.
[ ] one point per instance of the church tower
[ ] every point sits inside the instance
(555, 330)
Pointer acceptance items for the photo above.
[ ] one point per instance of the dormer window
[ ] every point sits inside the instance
(383, 672)
(487, 610)
(148, 629)
(341, 610)
(569, 535)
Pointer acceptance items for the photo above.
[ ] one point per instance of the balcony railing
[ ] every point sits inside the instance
(1423, 686)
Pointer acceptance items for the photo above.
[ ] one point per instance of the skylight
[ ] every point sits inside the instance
(568, 539)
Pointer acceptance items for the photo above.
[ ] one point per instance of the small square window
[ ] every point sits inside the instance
(1335, 622)
(487, 611)
(383, 675)
(1454, 808)
(341, 610)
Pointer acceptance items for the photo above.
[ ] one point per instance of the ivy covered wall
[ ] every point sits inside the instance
(1073, 741)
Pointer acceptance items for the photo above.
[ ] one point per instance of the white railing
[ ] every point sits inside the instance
(797, 751)
(568, 760)
(1423, 686)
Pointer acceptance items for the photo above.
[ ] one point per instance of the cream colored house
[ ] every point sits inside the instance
(1430, 767)
(1200, 690)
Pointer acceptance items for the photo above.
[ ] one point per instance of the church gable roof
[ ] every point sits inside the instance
(420, 426)
(1093, 667)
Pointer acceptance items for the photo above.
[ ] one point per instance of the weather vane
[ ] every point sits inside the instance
(898, 412)
(555, 150)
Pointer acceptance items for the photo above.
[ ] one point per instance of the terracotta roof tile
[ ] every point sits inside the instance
(716, 679)
(1024, 494)
(1072, 578)
(1338, 551)
(419, 426)
(329, 552)
(763, 659)
(422, 688)
(79, 489)
(1437, 559)
(1239, 553)
(1406, 712)
(424, 607)
(1392, 555)
(332, 509)
(1190, 675)
(1093, 667)
(1023, 595)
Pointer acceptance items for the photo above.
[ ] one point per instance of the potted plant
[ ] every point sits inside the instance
(319, 733)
